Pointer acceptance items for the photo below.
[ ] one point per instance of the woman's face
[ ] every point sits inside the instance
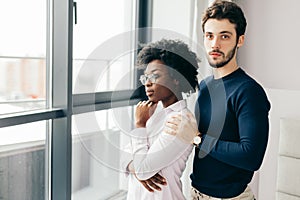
(164, 88)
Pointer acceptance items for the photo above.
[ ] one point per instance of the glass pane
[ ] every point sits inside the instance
(22, 161)
(22, 55)
(103, 46)
(168, 23)
(96, 152)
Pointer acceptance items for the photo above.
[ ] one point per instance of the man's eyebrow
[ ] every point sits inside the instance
(227, 32)
(222, 32)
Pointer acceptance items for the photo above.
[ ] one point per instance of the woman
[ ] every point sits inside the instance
(170, 69)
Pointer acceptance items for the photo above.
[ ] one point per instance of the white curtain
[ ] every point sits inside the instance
(197, 8)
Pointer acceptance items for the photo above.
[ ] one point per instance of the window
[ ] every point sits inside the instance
(22, 161)
(96, 167)
(22, 55)
(52, 75)
(102, 46)
(23, 88)
(103, 71)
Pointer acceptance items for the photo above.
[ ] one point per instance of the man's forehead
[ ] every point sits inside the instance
(219, 26)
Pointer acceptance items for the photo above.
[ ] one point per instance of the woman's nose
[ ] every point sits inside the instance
(148, 82)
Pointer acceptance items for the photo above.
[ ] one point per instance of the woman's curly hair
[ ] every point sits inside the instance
(176, 55)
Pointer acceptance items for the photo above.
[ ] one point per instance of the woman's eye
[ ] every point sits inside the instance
(155, 75)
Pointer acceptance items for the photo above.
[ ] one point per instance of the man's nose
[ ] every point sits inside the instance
(215, 43)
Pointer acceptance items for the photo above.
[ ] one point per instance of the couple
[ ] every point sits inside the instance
(230, 132)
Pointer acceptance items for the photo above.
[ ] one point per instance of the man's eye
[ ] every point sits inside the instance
(209, 36)
(225, 37)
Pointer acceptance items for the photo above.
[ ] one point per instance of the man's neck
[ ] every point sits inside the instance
(225, 70)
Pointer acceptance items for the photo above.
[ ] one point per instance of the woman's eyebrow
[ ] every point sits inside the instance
(154, 70)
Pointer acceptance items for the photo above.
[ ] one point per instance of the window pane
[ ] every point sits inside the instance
(22, 161)
(103, 44)
(96, 152)
(168, 23)
(22, 55)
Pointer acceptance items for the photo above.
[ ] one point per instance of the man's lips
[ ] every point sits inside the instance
(215, 54)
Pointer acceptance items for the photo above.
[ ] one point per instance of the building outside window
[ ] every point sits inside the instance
(26, 74)
(23, 88)
(65, 90)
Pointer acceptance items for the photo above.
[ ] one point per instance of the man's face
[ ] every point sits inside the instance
(220, 42)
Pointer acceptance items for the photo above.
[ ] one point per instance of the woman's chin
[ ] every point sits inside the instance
(152, 99)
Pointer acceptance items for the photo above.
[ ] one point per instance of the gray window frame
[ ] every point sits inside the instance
(63, 104)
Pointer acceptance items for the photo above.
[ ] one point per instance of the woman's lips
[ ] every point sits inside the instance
(149, 92)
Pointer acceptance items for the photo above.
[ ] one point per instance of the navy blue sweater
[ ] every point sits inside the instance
(232, 115)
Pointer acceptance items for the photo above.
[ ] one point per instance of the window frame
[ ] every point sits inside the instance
(61, 104)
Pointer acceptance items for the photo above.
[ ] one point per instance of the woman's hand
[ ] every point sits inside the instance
(151, 184)
(154, 183)
(144, 111)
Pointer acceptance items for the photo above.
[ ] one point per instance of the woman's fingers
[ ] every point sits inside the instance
(146, 103)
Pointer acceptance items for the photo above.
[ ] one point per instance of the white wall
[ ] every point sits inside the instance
(173, 15)
(272, 42)
(270, 55)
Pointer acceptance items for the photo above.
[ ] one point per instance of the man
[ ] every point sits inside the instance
(232, 113)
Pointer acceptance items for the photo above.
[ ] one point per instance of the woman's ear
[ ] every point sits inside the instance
(176, 82)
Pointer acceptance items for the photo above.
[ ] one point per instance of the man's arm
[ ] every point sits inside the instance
(252, 113)
(253, 126)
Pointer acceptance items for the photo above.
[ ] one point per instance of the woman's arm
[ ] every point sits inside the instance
(165, 150)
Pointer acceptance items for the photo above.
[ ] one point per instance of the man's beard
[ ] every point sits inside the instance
(227, 58)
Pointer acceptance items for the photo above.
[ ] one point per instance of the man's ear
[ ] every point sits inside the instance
(241, 41)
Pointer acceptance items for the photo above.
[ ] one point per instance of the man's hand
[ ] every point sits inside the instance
(144, 111)
(184, 127)
(153, 183)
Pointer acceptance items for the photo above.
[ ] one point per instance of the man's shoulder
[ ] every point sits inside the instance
(249, 83)
(245, 81)
(205, 81)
